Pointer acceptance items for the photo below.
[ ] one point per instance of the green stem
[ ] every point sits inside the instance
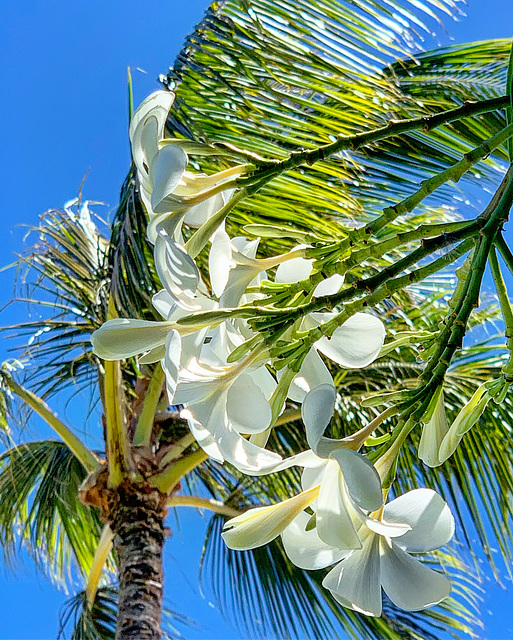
(507, 312)
(203, 503)
(87, 458)
(144, 429)
(176, 450)
(196, 243)
(167, 480)
(505, 251)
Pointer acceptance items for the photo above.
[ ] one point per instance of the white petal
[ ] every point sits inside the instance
(316, 411)
(430, 519)
(167, 171)
(264, 381)
(244, 455)
(356, 581)
(312, 374)
(356, 343)
(176, 269)
(238, 281)
(362, 479)
(433, 433)
(164, 303)
(384, 528)
(305, 549)
(329, 287)
(247, 408)
(203, 437)
(158, 103)
(293, 270)
(125, 337)
(408, 583)
(219, 260)
(171, 362)
(335, 524)
(259, 526)
(145, 149)
(197, 216)
(313, 475)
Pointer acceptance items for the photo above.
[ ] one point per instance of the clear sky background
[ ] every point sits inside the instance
(63, 114)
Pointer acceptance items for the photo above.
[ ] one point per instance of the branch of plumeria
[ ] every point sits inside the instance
(271, 168)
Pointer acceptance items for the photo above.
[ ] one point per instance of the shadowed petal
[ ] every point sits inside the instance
(407, 582)
(362, 479)
(430, 519)
(305, 549)
(356, 581)
(335, 524)
(356, 343)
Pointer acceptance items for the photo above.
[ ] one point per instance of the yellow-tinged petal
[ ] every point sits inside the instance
(259, 526)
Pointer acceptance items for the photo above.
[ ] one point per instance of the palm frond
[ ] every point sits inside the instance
(40, 508)
(62, 280)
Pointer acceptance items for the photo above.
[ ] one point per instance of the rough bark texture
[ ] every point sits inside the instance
(137, 520)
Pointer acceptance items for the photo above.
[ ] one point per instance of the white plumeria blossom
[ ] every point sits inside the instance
(417, 522)
(342, 487)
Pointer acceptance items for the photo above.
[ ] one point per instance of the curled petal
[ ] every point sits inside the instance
(167, 171)
(335, 512)
(171, 362)
(356, 343)
(356, 581)
(316, 411)
(407, 582)
(305, 549)
(158, 104)
(313, 373)
(123, 337)
(429, 516)
(259, 526)
(362, 479)
(176, 269)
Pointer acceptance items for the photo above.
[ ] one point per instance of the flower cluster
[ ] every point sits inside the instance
(231, 404)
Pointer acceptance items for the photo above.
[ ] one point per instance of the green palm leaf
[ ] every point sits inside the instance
(40, 507)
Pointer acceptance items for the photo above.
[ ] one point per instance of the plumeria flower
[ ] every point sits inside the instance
(417, 522)
(342, 487)
(439, 440)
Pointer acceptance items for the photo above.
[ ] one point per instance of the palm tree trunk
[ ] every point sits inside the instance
(137, 520)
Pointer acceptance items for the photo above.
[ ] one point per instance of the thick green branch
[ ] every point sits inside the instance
(143, 431)
(167, 480)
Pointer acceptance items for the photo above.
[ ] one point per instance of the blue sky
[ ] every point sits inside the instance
(63, 107)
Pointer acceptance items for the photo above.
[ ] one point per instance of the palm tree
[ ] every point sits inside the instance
(257, 81)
